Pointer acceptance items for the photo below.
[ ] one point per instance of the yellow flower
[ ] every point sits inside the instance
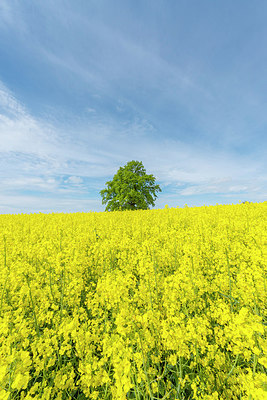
(110, 302)
(172, 359)
(21, 381)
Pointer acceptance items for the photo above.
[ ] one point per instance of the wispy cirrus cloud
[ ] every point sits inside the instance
(37, 158)
(93, 88)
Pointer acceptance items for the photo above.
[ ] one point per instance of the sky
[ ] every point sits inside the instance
(86, 86)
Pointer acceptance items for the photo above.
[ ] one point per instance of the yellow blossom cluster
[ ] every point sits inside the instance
(155, 304)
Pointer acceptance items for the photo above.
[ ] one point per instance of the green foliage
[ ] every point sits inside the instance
(130, 189)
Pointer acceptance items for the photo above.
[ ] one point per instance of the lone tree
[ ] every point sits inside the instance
(130, 189)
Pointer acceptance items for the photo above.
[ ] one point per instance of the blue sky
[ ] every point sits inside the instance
(87, 86)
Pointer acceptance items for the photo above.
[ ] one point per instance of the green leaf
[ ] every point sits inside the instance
(130, 189)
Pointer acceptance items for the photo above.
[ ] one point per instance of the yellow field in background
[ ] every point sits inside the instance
(134, 305)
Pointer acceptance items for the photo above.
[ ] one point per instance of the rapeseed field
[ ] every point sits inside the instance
(156, 304)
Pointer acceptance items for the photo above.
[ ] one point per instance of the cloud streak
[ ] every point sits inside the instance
(36, 158)
(93, 88)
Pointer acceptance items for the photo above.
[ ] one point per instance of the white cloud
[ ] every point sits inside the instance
(47, 204)
(8, 102)
(19, 131)
(36, 155)
(207, 188)
(30, 183)
(74, 180)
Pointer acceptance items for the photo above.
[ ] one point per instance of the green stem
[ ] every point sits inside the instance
(62, 284)
(144, 364)
(4, 251)
(2, 296)
(180, 373)
(230, 283)
(50, 282)
(233, 367)
(255, 360)
(33, 310)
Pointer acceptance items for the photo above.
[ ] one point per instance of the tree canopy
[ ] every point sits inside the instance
(130, 189)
